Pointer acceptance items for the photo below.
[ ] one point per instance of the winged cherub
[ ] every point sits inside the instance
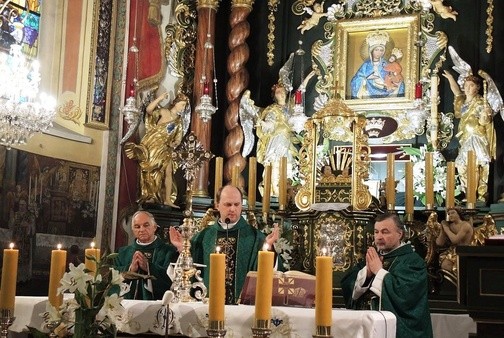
(316, 14)
(446, 12)
(475, 131)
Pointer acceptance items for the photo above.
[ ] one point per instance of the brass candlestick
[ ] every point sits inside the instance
(322, 331)
(6, 320)
(261, 329)
(216, 329)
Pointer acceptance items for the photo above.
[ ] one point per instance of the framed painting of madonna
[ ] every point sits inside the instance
(377, 62)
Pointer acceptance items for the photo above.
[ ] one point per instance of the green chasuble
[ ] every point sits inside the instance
(160, 255)
(403, 291)
(240, 244)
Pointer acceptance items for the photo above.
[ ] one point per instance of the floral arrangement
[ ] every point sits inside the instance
(95, 310)
(439, 163)
(283, 246)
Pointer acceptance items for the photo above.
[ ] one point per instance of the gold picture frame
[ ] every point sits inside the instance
(366, 85)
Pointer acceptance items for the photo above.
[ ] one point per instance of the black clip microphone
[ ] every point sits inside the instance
(227, 221)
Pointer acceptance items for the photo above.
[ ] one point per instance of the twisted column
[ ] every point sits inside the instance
(238, 82)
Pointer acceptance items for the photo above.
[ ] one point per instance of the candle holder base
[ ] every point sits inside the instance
(322, 332)
(216, 329)
(6, 320)
(261, 329)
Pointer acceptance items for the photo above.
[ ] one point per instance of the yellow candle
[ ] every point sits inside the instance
(235, 175)
(252, 172)
(267, 189)
(264, 285)
(390, 186)
(323, 291)
(58, 265)
(217, 287)
(9, 277)
(219, 165)
(450, 185)
(282, 184)
(409, 201)
(472, 175)
(429, 181)
(93, 252)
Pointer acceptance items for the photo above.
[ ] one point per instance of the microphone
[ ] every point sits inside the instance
(227, 221)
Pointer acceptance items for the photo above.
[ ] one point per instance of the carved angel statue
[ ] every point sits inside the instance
(475, 131)
(316, 14)
(446, 12)
(165, 128)
(276, 137)
(484, 231)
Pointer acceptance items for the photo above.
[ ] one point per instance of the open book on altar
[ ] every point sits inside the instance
(290, 288)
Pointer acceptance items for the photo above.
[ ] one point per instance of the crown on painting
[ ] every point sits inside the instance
(397, 53)
(377, 38)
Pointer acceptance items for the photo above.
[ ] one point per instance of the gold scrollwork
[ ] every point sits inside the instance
(489, 29)
(335, 233)
(180, 45)
(272, 6)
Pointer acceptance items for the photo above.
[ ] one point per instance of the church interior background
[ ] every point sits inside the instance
(77, 185)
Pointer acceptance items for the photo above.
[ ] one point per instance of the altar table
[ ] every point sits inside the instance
(190, 319)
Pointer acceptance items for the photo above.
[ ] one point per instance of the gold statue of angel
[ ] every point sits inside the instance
(475, 131)
(274, 127)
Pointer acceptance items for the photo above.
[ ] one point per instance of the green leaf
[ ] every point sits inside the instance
(412, 151)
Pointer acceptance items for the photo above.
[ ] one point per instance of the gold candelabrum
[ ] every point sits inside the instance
(6, 320)
(322, 332)
(191, 156)
(261, 329)
(216, 329)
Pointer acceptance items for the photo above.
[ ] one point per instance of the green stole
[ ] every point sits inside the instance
(240, 243)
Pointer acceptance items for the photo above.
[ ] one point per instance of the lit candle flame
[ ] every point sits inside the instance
(59, 246)
(217, 249)
(92, 245)
(265, 247)
(11, 246)
(324, 251)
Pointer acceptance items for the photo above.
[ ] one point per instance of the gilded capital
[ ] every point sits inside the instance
(212, 4)
(242, 3)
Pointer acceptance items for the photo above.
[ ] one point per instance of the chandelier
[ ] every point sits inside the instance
(21, 113)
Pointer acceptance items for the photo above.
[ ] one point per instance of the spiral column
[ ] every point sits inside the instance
(238, 82)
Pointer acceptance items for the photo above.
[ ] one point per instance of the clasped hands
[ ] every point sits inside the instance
(373, 262)
(139, 261)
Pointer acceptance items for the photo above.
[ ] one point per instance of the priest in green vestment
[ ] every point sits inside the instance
(149, 256)
(393, 278)
(235, 237)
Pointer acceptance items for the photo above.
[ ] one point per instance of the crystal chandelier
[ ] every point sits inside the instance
(21, 113)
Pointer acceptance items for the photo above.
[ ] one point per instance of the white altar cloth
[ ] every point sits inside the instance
(191, 319)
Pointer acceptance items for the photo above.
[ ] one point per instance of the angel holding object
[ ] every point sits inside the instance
(275, 132)
(475, 131)
(165, 128)
(276, 138)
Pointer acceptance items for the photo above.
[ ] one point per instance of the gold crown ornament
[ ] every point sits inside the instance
(377, 38)
(397, 53)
